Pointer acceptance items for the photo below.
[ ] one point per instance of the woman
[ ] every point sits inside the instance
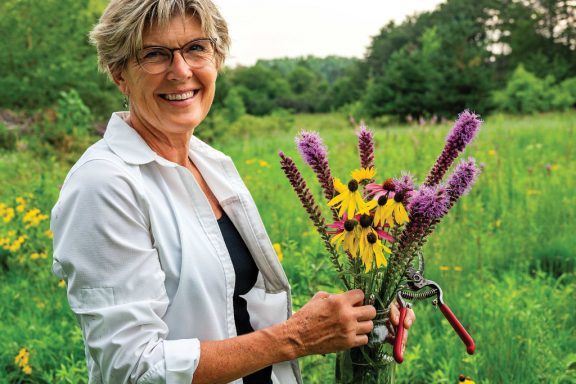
(169, 268)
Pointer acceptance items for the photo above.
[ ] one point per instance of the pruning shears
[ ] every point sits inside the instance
(418, 288)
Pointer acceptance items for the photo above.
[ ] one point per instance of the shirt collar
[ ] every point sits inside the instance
(125, 142)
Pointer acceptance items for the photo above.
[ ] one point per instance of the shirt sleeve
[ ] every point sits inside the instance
(103, 247)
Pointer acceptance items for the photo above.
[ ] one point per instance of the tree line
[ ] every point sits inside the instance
(511, 55)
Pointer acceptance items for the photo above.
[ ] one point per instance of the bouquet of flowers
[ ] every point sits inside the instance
(377, 229)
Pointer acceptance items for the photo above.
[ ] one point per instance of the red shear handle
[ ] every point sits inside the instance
(466, 338)
(398, 355)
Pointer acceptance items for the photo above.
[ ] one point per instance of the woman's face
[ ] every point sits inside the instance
(176, 101)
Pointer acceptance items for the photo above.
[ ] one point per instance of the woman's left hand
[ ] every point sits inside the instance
(408, 321)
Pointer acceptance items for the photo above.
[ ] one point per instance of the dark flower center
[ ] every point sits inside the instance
(382, 200)
(388, 185)
(371, 238)
(353, 185)
(365, 221)
(350, 224)
(399, 196)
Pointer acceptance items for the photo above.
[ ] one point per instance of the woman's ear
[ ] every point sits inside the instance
(118, 77)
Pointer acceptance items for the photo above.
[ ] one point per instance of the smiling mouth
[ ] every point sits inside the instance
(179, 96)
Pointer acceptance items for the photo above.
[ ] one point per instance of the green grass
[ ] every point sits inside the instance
(504, 255)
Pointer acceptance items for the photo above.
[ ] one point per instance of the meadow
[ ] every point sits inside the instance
(504, 255)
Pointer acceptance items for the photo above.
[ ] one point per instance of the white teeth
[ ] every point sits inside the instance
(179, 96)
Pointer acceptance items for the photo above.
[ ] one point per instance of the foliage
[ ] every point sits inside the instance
(8, 138)
(526, 93)
(44, 50)
(503, 265)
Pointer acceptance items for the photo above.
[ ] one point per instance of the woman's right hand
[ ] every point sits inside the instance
(331, 322)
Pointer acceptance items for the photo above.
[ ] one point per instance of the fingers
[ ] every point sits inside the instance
(364, 327)
(395, 316)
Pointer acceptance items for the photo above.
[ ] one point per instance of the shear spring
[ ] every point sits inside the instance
(411, 295)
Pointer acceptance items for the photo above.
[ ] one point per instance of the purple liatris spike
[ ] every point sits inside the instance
(314, 153)
(463, 132)
(309, 203)
(405, 183)
(462, 179)
(366, 146)
(430, 203)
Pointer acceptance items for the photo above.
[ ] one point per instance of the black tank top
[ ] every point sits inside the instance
(246, 274)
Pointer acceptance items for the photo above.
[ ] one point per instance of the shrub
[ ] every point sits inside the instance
(526, 93)
(8, 138)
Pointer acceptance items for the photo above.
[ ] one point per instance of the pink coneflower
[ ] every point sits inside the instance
(387, 188)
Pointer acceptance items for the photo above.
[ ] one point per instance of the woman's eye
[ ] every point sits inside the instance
(154, 54)
(196, 48)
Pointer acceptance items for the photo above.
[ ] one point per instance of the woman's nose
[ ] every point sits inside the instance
(179, 67)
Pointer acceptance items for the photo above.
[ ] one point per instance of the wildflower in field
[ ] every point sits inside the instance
(62, 283)
(492, 152)
(8, 215)
(33, 217)
(458, 268)
(250, 161)
(347, 234)
(278, 249)
(21, 204)
(371, 251)
(39, 255)
(48, 233)
(27, 370)
(15, 246)
(349, 199)
(264, 163)
(22, 357)
(444, 268)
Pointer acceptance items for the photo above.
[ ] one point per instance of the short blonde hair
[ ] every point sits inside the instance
(118, 34)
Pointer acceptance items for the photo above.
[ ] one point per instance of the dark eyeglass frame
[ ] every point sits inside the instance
(211, 40)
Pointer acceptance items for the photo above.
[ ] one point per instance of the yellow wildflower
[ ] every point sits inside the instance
(33, 217)
(458, 268)
(371, 251)
(8, 215)
(492, 152)
(349, 236)
(250, 161)
(21, 204)
(27, 370)
(49, 234)
(392, 212)
(21, 358)
(349, 199)
(444, 268)
(363, 174)
(62, 283)
(278, 250)
(264, 163)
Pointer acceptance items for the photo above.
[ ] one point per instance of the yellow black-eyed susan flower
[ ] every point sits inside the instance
(349, 198)
(391, 211)
(372, 252)
(347, 234)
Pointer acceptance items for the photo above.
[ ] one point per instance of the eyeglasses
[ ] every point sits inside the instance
(196, 53)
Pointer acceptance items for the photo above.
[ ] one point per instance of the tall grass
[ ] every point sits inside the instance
(504, 255)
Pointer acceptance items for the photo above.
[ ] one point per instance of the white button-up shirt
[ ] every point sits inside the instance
(148, 273)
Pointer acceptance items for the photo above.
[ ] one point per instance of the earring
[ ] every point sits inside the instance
(125, 101)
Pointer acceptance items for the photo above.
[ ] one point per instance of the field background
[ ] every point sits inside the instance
(504, 255)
